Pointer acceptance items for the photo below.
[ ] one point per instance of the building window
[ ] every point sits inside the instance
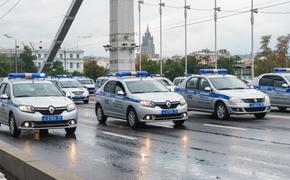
(39, 56)
(71, 56)
(45, 55)
(78, 65)
(60, 56)
(71, 65)
(78, 56)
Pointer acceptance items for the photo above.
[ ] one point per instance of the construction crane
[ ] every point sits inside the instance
(60, 35)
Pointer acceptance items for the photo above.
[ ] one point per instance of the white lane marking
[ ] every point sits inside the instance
(226, 127)
(160, 125)
(118, 135)
(278, 116)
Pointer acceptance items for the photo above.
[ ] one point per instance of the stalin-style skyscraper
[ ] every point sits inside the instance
(122, 40)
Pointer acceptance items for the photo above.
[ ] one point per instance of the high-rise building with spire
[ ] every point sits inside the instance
(148, 47)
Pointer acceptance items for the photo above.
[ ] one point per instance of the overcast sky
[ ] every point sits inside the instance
(38, 20)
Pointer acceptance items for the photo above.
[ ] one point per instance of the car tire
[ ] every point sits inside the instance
(221, 112)
(43, 132)
(260, 115)
(132, 118)
(282, 108)
(70, 131)
(14, 131)
(101, 117)
(86, 101)
(178, 123)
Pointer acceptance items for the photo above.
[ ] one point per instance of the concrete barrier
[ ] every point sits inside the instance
(19, 165)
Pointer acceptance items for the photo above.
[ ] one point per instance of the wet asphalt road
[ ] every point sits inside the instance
(242, 148)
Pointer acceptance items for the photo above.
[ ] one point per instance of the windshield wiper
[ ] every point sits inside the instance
(225, 89)
(138, 92)
(239, 88)
(24, 96)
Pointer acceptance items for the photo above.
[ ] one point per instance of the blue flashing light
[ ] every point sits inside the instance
(64, 76)
(137, 74)
(26, 75)
(213, 71)
(281, 70)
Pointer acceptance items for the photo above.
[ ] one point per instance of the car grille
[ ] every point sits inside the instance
(164, 106)
(45, 111)
(77, 93)
(168, 116)
(43, 124)
(255, 109)
(91, 89)
(254, 100)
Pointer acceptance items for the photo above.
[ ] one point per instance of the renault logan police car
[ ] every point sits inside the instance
(87, 83)
(139, 100)
(27, 101)
(72, 88)
(277, 86)
(216, 92)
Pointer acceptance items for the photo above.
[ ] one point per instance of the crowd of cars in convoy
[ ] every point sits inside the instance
(35, 101)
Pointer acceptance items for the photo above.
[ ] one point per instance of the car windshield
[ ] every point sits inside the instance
(288, 77)
(35, 90)
(147, 86)
(228, 83)
(86, 81)
(165, 82)
(70, 84)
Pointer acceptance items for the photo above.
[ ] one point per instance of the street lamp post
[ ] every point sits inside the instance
(140, 46)
(252, 37)
(216, 9)
(16, 51)
(186, 7)
(161, 4)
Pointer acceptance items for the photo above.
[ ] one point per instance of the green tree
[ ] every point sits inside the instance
(93, 71)
(228, 63)
(27, 60)
(57, 69)
(6, 65)
(76, 73)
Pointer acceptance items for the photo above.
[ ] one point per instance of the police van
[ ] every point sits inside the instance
(29, 101)
(217, 92)
(277, 86)
(71, 87)
(139, 99)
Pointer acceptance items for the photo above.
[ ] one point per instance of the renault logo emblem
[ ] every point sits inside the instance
(51, 109)
(168, 104)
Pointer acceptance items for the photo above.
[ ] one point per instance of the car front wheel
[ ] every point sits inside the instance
(221, 111)
(14, 131)
(86, 101)
(70, 131)
(260, 115)
(178, 123)
(101, 117)
(132, 118)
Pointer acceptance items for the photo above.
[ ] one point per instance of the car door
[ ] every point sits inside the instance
(5, 104)
(118, 101)
(280, 94)
(2, 88)
(204, 98)
(191, 93)
(266, 84)
(108, 98)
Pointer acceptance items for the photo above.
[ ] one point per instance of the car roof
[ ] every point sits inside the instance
(24, 81)
(212, 75)
(280, 74)
(64, 79)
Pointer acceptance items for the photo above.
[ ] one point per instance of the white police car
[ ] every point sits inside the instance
(139, 100)
(166, 82)
(178, 80)
(28, 101)
(277, 86)
(216, 92)
(72, 88)
(87, 83)
(101, 81)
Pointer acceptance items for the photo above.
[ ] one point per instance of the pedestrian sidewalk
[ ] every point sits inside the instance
(2, 177)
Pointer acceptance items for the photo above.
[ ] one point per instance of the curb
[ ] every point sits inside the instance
(21, 166)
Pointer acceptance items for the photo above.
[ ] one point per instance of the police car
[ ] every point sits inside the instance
(277, 86)
(178, 80)
(27, 101)
(101, 81)
(139, 100)
(87, 83)
(166, 82)
(72, 88)
(216, 92)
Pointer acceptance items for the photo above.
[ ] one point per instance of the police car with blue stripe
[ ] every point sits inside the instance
(29, 101)
(139, 99)
(277, 86)
(221, 94)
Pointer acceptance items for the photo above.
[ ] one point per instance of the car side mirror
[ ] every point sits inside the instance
(4, 96)
(207, 89)
(285, 86)
(120, 93)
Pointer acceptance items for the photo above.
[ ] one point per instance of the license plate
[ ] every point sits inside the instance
(79, 97)
(52, 118)
(170, 111)
(257, 105)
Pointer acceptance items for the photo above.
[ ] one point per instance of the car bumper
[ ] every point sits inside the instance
(246, 109)
(36, 122)
(157, 116)
(81, 98)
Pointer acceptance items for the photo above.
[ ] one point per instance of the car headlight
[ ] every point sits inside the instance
(235, 100)
(68, 94)
(267, 99)
(71, 107)
(147, 103)
(182, 102)
(27, 108)
(86, 92)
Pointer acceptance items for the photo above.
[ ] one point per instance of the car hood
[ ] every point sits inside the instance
(69, 90)
(43, 101)
(243, 93)
(159, 97)
(89, 85)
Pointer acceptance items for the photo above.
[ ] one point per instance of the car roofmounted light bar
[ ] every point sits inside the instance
(26, 75)
(213, 71)
(281, 70)
(63, 76)
(137, 74)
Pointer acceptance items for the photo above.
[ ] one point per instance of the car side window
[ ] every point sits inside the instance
(279, 81)
(110, 87)
(267, 81)
(7, 90)
(192, 83)
(119, 87)
(2, 87)
(203, 83)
